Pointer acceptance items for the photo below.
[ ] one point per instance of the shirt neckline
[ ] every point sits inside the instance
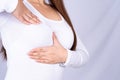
(38, 14)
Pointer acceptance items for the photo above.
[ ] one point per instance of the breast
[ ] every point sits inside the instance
(18, 41)
(63, 32)
(18, 37)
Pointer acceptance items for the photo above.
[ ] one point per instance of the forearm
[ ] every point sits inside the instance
(78, 57)
(75, 58)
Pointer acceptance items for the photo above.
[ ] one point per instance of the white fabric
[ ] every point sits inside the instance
(8, 5)
(97, 23)
(18, 39)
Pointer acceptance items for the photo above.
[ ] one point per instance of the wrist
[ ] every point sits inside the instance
(64, 56)
(67, 61)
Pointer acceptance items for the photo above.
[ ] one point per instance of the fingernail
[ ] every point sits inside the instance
(35, 54)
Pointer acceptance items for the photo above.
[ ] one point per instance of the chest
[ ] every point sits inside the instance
(32, 36)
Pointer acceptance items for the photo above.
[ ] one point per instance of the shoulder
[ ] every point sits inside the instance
(3, 17)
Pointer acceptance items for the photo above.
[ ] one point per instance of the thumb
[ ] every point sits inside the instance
(55, 40)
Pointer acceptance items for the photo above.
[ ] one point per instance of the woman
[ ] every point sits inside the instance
(53, 43)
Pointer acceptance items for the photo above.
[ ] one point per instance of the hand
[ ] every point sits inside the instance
(51, 54)
(24, 15)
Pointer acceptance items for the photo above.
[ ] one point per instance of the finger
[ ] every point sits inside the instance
(44, 49)
(33, 17)
(33, 53)
(42, 61)
(46, 62)
(35, 57)
(24, 21)
(45, 59)
(39, 58)
(29, 19)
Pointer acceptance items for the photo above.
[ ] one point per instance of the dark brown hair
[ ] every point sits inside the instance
(4, 52)
(59, 6)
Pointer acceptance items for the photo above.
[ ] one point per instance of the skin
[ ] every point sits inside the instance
(50, 54)
(24, 15)
(55, 53)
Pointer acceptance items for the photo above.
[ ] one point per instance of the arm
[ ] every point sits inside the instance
(58, 54)
(78, 57)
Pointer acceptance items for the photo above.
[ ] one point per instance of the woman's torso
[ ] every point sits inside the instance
(18, 39)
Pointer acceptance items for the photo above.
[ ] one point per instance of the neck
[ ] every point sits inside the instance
(41, 2)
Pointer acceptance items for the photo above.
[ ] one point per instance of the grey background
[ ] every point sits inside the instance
(98, 25)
